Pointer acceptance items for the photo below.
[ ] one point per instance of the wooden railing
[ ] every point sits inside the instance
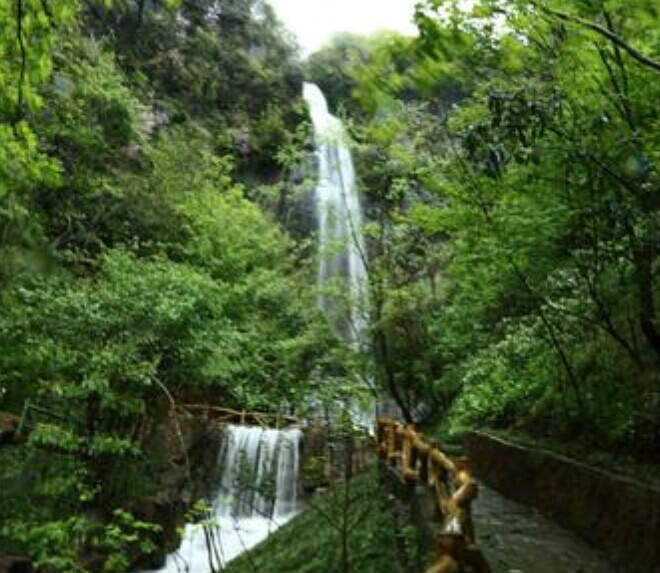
(228, 415)
(419, 461)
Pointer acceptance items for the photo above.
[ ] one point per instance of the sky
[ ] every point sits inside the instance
(315, 21)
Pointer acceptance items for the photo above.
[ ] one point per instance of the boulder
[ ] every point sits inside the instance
(8, 427)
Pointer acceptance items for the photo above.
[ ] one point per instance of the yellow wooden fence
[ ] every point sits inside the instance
(419, 461)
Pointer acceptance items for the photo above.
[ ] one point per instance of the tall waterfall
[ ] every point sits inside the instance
(341, 242)
(258, 492)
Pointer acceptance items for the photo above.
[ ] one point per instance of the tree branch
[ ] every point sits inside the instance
(603, 31)
(21, 45)
(49, 13)
(175, 419)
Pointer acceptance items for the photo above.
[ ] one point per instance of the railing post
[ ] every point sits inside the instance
(452, 486)
(391, 445)
(423, 466)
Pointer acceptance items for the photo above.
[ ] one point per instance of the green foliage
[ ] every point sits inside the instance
(539, 169)
(509, 158)
(236, 70)
(134, 269)
(125, 534)
(57, 544)
(313, 472)
(26, 49)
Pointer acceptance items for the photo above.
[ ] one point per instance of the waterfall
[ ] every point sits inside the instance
(342, 253)
(341, 243)
(258, 492)
(260, 476)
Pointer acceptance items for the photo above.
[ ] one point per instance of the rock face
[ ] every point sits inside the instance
(314, 459)
(616, 514)
(8, 426)
(181, 478)
(323, 458)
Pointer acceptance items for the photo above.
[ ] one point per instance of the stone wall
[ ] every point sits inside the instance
(616, 514)
(323, 457)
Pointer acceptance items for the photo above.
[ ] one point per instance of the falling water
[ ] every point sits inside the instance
(253, 458)
(258, 492)
(341, 243)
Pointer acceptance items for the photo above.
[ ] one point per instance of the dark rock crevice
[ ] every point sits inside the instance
(186, 472)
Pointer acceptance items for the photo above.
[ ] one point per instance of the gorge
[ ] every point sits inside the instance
(221, 250)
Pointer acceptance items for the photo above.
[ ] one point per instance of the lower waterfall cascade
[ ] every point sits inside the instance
(257, 492)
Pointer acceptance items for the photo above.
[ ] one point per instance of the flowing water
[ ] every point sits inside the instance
(258, 492)
(342, 272)
(258, 489)
(342, 261)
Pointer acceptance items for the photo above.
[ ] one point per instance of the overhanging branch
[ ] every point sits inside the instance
(603, 31)
(21, 46)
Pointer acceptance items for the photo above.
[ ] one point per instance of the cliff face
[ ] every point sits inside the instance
(185, 469)
(327, 459)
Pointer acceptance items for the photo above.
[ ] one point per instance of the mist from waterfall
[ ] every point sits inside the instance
(341, 242)
(257, 492)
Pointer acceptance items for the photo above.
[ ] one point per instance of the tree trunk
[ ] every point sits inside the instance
(389, 377)
(644, 276)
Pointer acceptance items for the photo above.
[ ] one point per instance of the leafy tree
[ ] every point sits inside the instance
(135, 270)
(509, 162)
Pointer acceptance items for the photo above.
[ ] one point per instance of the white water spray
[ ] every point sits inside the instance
(258, 492)
(341, 242)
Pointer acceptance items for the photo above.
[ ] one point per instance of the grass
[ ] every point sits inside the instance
(311, 543)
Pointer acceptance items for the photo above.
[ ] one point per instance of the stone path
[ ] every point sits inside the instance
(516, 538)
